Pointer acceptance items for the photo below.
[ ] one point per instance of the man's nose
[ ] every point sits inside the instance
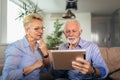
(71, 33)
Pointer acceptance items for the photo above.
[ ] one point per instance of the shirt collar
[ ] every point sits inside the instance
(26, 42)
(81, 43)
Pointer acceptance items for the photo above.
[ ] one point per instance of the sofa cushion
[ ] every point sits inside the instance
(115, 76)
(113, 55)
(103, 51)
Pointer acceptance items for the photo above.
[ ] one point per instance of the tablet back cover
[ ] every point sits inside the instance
(62, 59)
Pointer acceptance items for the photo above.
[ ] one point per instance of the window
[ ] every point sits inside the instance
(15, 29)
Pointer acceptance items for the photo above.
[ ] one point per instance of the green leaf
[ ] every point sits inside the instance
(28, 7)
(54, 39)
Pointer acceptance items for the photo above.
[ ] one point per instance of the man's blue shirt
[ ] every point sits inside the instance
(93, 56)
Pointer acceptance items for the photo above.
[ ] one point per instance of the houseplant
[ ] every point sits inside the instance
(27, 8)
(54, 39)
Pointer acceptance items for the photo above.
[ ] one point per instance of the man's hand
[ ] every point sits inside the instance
(82, 65)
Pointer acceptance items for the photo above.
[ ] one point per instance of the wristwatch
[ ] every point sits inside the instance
(46, 56)
(94, 72)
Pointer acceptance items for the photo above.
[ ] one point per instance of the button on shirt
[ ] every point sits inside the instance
(93, 56)
(18, 56)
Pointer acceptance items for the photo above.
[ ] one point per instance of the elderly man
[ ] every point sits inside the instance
(93, 67)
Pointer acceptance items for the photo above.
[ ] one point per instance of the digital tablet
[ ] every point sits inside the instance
(62, 59)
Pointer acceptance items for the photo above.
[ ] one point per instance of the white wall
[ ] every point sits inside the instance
(0, 20)
(3, 21)
(3, 16)
(85, 22)
(84, 19)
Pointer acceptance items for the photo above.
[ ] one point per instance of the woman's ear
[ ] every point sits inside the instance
(26, 30)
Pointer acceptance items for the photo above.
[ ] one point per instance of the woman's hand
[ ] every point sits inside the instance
(43, 47)
(45, 53)
(36, 65)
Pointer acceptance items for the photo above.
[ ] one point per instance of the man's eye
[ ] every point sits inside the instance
(74, 31)
(36, 28)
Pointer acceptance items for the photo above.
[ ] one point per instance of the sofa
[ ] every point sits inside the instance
(111, 56)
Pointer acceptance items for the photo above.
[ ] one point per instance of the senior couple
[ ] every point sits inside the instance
(25, 58)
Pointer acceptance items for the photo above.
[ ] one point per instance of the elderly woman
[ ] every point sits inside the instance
(25, 58)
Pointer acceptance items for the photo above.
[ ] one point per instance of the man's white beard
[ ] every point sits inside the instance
(72, 40)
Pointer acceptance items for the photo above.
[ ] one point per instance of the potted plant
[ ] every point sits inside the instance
(27, 8)
(54, 39)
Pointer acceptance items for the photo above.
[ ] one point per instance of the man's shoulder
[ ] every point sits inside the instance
(87, 43)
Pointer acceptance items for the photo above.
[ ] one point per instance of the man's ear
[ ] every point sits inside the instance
(64, 32)
(81, 31)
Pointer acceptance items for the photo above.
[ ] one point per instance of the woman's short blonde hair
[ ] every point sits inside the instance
(29, 18)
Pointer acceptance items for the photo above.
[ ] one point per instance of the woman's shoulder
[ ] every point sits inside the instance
(14, 47)
(16, 43)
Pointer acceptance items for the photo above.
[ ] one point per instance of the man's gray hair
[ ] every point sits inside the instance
(72, 20)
